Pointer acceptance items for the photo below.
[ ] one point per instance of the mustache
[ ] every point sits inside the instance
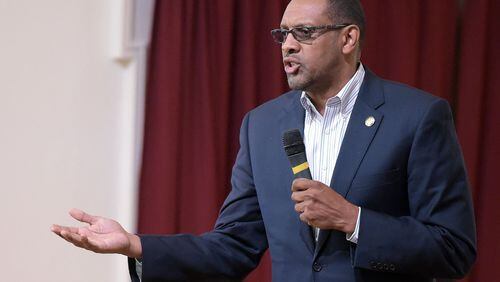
(290, 54)
(291, 59)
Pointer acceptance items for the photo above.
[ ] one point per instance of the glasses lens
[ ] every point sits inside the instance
(302, 34)
(279, 35)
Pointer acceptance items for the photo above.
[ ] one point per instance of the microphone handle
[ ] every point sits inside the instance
(300, 167)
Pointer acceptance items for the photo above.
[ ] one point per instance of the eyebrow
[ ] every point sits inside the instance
(303, 24)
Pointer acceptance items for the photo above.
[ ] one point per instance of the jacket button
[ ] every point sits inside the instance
(317, 267)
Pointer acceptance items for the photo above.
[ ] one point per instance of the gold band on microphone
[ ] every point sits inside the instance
(300, 167)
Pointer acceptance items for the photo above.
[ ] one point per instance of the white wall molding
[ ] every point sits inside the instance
(71, 113)
(131, 27)
(132, 22)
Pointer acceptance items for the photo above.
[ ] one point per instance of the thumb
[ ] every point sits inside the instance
(82, 216)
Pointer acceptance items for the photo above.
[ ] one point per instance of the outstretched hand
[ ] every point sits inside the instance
(102, 235)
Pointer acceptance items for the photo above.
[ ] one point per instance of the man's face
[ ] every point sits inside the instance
(310, 66)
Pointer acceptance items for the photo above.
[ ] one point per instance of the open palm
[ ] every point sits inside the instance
(102, 235)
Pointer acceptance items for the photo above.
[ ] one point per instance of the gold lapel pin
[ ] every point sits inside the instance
(369, 121)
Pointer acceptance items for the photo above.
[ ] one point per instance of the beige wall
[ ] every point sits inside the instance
(66, 136)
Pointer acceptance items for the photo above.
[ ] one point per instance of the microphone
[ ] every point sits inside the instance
(296, 152)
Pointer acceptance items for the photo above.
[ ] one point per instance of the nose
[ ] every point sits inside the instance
(290, 45)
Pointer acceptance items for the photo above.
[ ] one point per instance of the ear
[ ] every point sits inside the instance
(351, 39)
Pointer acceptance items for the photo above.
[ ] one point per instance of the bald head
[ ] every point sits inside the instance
(306, 12)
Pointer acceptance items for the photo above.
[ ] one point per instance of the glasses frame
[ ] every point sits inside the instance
(319, 30)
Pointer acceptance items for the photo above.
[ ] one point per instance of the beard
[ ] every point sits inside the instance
(299, 81)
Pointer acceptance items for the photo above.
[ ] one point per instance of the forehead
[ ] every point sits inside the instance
(305, 12)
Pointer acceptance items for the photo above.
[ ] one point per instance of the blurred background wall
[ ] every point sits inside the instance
(70, 86)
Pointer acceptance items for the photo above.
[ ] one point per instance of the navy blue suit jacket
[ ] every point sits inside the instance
(406, 172)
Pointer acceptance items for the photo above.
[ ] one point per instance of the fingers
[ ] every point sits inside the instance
(306, 219)
(302, 184)
(301, 207)
(305, 215)
(299, 189)
(68, 232)
(81, 237)
(299, 196)
(79, 240)
(71, 237)
(64, 231)
(83, 216)
(58, 228)
(304, 189)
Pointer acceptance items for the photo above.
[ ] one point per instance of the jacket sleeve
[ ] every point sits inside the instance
(227, 253)
(438, 238)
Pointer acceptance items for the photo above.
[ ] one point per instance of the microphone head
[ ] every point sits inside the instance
(293, 142)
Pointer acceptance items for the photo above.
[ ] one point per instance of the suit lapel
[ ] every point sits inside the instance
(293, 118)
(357, 139)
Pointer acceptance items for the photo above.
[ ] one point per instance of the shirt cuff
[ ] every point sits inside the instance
(354, 236)
(138, 268)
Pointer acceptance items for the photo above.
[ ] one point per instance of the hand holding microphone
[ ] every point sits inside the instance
(317, 204)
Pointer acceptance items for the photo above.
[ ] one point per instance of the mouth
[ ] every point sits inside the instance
(291, 66)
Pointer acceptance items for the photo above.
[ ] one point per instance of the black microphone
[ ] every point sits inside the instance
(296, 152)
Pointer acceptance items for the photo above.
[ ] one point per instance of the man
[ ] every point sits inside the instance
(389, 200)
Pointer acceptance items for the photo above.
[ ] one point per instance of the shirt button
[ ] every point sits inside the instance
(317, 267)
(327, 131)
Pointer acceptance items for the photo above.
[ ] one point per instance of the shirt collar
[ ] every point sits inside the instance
(347, 95)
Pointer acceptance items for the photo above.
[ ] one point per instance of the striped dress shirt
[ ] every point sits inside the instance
(323, 135)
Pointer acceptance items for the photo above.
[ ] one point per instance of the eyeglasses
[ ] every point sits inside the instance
(304, 34)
